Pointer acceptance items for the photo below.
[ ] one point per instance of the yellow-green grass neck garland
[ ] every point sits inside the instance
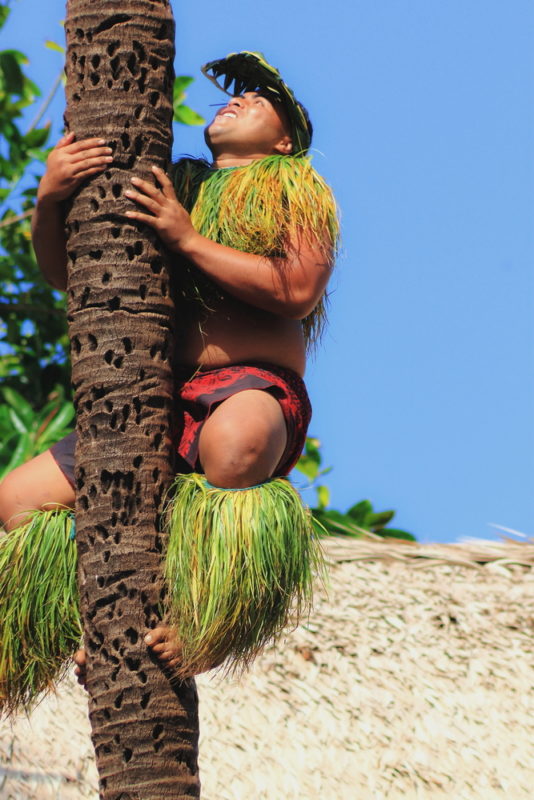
(256, 208)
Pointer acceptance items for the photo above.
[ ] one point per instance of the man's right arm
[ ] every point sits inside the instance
(68, 165)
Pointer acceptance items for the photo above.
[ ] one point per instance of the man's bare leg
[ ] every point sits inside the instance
(240, 445)
(38, 484)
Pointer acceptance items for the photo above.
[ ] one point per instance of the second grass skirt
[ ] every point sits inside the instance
(239, 568)
(40, 625)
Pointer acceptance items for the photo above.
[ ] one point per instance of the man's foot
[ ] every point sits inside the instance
(163, 643)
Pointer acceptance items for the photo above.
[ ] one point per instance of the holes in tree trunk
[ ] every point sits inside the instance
(114, 303)
(132, 663)
(118, 700)
(112, 48)
(93, 344)
(128, 347)
(157, 265)
(132, 635)
(127, 754)
(141, 81)
(142, 291)
(108, 356)
(116, 189)
(94, 77)
(163, 32)
(145, 699)
(139, 50)
(75, 344)
(84, 502)
(115, 232)
(131, 63)
(95, 61)
(138, 145)
(94, 204)
(106, 277)
(153, 98)
(110, 22)
(138, 111)
(102, 531)
(125, 139)
(96, 255)
(138, 460)
(115, 65)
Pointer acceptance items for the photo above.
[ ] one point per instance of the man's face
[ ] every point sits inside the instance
(249, 125)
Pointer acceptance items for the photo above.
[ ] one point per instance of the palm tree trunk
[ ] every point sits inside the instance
(119, 87)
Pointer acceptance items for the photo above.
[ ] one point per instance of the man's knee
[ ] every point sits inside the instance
(233, 457)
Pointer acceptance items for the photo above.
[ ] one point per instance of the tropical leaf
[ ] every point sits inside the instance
(323, 496)
(21, 453)
(20, 405)
(187, 116)
(11, 74)
(54, 46)
(17, 421)
(379, 520)
(360, 511)
(396, 533)
(58, 426)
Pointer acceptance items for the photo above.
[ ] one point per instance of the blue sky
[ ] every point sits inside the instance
(423, 390)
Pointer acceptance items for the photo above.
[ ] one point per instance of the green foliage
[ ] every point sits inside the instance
(183, 113)
(33, 333)
(24, 432)
(359, 518)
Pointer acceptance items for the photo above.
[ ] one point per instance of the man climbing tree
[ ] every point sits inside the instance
(253, 236)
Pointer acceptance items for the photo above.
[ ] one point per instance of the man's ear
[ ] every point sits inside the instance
(284, 146)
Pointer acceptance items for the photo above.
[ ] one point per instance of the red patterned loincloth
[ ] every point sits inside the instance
(200, 394)
(206, 389)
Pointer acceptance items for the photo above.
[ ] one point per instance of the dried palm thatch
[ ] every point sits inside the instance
(413, 679)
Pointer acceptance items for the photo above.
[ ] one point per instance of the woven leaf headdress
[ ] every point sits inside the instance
(250, 72)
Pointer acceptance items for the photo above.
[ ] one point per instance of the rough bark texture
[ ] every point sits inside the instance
(119, 86)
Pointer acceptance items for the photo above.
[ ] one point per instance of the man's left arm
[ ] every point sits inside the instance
(289, 286)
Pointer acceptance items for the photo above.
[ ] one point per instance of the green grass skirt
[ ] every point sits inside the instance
(40, 625)
(239, 568)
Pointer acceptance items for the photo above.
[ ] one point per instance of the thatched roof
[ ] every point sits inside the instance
(412, 680)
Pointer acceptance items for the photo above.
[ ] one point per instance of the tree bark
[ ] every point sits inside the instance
(119, 87)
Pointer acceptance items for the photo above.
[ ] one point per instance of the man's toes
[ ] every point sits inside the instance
(156, 636)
